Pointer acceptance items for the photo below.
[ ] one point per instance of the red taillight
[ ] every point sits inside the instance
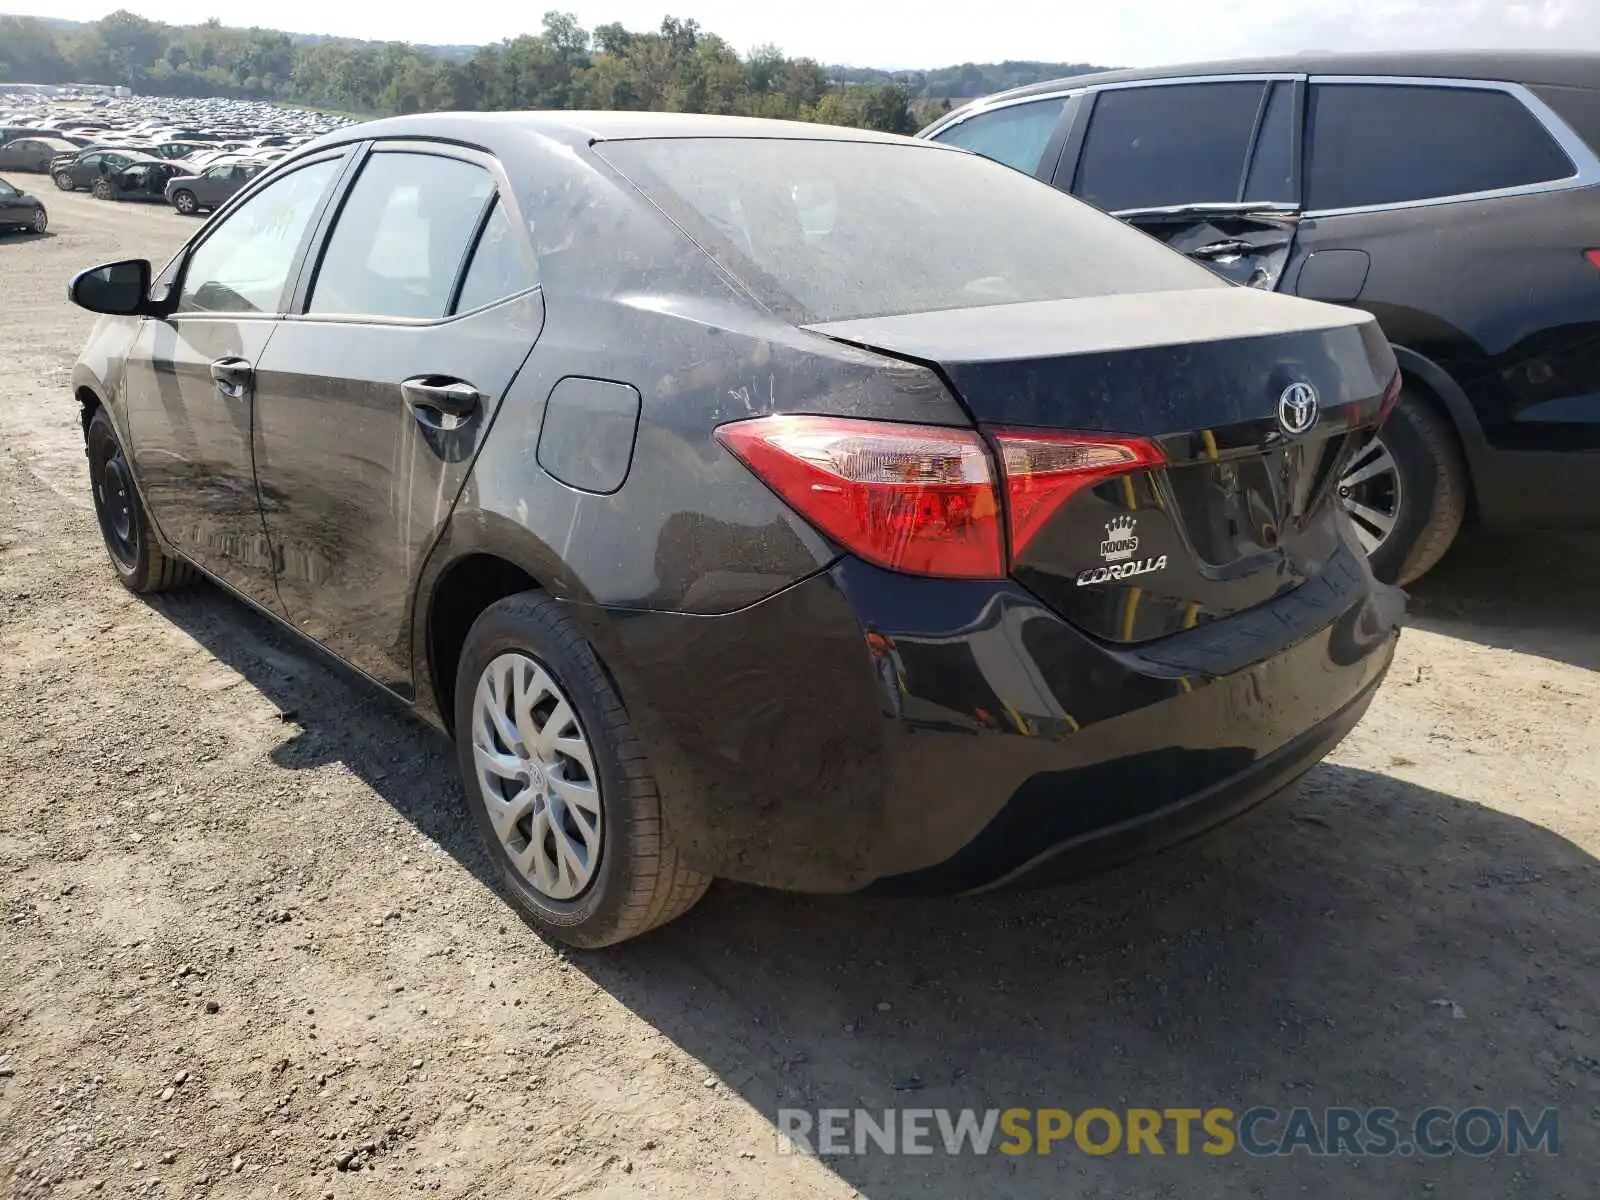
(1593, 256)
(1044, 470)
(1391, 397)
(915, 498)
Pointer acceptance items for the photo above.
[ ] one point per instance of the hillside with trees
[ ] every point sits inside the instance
(677, 68)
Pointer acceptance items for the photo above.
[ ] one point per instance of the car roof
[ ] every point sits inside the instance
(579, 126)
(1527, 67)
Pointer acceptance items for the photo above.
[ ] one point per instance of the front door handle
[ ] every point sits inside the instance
(233, 376)
(440, 402)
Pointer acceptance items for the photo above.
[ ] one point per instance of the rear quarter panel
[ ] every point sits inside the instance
(1499, 295)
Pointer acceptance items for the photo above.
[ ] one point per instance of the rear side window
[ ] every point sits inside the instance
(1184, 143)
(401, 236)
(831, 230)
(1387, 144)
(498, 268)
(1016, 135)
(1272, 169)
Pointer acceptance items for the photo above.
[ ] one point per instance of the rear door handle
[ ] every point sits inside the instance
(233, 376)
(440, 402)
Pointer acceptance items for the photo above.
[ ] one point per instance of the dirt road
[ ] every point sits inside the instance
(248, 946)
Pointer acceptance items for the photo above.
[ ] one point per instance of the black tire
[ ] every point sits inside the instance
(41, 221)
(102, 189)
(64, 181)
(140, 562)
(184, 201)
(641, 880)
(1433, 482)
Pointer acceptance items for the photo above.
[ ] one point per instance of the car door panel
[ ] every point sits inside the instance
(354, 486)
(190, 431)
(192, 448)
(356, 476)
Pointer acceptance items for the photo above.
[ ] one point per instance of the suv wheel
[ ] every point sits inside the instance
(183, 200)
(140, 562)
(1406, 491)
(64, 181)
(101, 189)
(558, 784)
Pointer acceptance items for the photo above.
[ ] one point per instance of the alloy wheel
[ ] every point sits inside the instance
(184, 202)
(41, 221)
(1370, 491)
(536, 776)
(64, 182)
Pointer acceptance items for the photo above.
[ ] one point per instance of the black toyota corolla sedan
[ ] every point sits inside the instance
(796, 505)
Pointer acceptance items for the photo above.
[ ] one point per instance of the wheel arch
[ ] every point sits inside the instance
(1434, 385)
(481, 557)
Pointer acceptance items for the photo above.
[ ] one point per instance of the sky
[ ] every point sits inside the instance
(931, 33)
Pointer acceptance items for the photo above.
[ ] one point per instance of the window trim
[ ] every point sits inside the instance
(1586, 166)
(296, 309)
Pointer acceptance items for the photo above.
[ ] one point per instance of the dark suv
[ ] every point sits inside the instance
(1451, 196)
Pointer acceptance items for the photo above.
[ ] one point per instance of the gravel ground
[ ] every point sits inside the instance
(249, 946)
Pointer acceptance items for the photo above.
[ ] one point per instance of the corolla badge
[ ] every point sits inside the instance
(1120, 545)
(1297, 408)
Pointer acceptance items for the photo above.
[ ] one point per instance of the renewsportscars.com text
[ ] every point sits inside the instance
(1260, 1131)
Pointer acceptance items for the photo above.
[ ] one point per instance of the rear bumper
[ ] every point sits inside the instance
(866, 729)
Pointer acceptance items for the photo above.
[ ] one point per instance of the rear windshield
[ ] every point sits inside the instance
(830, 230)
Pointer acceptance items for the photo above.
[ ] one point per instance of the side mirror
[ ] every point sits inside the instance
(119, 289)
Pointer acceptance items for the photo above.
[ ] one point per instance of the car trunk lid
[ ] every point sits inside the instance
(1238, 408)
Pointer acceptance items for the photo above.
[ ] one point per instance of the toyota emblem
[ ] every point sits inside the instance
(1297, 409)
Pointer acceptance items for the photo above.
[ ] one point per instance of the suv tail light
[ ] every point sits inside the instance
(922, 498)
(916, 498)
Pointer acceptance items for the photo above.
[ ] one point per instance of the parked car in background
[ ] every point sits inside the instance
(18, 210)
(211, 188)
(33, 153)
(179, 149)
(145, 179)
(83, 169)
(1451, 195)
(821, 432)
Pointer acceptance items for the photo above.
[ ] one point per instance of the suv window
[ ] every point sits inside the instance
(1272, 169)
(243, 266)
(1389, 143)
(1169, 144)
(401, 236)
(498, 267)
(1016, 135)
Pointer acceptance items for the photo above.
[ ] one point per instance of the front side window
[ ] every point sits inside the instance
(1151, 147)
(243, 266)
(831, 230)
(401, 236)
(7, 190)
(1016, 135)
(1391, 143)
